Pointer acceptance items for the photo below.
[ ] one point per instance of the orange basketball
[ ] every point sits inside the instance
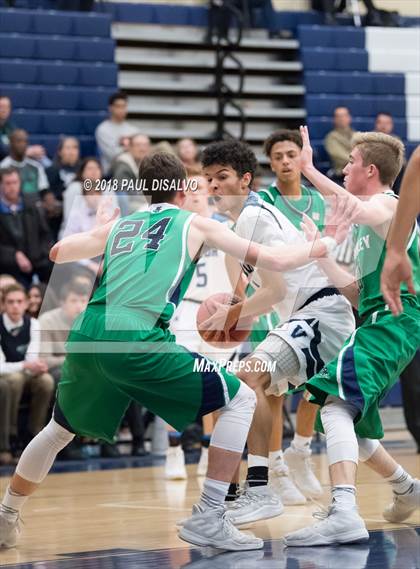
(238, 333)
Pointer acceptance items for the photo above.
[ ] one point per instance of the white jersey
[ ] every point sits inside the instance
(210, 277)
(265, 224)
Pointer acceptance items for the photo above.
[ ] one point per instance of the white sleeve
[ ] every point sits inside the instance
(42, 179)
(8, 367)
(259, 225)
(32, 353)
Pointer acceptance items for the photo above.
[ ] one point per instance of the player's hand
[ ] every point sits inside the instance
(306, 156)
(397, 269)
(23, 262)
(219, 323)
(106, 211)
(309, 228)
(340, 219)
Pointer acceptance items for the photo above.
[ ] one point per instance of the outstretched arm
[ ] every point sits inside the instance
(376, 211)
(397, 268)
(279, 258)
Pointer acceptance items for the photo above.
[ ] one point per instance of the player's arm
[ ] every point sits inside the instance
(236, 276)
(279, 258)
(374, 212)
(80, 246)
(272, 290)
(341, 279)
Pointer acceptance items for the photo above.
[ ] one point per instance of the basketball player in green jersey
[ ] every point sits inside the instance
(350, 388)
(293, 199)
(120, 349)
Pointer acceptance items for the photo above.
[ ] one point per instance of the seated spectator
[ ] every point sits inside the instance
(25, 239)
(125, 169)
(112, 135)
(41, 298)
(330, 8)
(32, 174)
(338, 143)
(5, 281)
(83, 218)
(60, 174)
(6, 125)
(384, 123)
(56, 323)
(89, 174)
(189, 154)
(64, 167)
(20, 364)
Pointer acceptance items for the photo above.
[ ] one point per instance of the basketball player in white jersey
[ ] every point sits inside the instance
(316, 317)
(210, 277)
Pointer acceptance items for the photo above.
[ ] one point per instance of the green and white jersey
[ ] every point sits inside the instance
(147, 268)
(370, 254)
(311, 202)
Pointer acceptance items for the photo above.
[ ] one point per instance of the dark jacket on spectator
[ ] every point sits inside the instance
(25, 230)
(59, 177)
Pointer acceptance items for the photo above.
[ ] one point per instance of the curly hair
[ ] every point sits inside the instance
(234, 153)
(284, 135)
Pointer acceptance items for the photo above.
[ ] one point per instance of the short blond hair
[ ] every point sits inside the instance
(386, 152)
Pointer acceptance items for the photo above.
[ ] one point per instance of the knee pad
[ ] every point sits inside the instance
(337, 419)
(39, 455)
(367, 447)
(231, 430)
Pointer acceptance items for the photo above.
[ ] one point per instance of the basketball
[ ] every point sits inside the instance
(238, 333)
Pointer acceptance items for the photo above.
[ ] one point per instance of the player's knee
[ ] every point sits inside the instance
(58, 436)
(244, 402)
(367, 447)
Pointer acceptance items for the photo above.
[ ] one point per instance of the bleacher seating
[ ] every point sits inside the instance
(58, 69)
(349, 67)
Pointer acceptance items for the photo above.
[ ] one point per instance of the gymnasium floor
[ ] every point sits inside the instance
(125, 518)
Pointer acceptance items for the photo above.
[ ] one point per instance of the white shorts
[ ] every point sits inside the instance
(184, 326)
(316, 333)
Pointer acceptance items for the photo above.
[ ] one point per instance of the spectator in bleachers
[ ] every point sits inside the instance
(6, 125)
(112, 135)
(331, 8)
(36, 293)
(25, 238)
(32, 174)
(82, 217)
(60, 174)
(125, 169)
(89, 174)
(384, 123)
(338, 143)
(21, 366)
(64, 167)
(5, 281)
(189, 154)
(56, 323)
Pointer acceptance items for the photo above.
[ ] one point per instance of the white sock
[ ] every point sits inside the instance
(12, 504)
(214, 493)
(401, 482)
(274, 456)
(344, 496)
(301, 443)
(255, 460)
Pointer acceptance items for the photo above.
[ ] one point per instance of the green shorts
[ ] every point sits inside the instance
(108, 367)
(262, 327)
(368, 365)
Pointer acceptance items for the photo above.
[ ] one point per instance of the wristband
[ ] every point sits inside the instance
(330, 243)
